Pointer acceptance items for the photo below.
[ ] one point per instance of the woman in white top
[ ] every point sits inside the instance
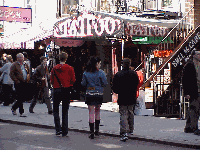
(7, 82)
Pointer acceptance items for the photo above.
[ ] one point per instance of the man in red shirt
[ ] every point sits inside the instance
(62, 78)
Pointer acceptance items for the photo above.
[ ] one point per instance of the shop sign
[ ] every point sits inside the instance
(15, 14)
(68, 43)
(150, 40)
(145, 30)
(186, 51)
(162, 53)
(88, 25)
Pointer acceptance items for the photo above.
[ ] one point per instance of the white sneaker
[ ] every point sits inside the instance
(124, 138)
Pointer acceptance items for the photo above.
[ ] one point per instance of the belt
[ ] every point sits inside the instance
(89, 93)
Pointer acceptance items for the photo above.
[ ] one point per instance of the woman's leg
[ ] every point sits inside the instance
(97, 112)
(91, 113)
(97, 119)
(91, 120)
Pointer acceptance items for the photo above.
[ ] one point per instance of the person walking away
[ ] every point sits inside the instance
(191, 88)
(125, 83)
(8, 83)
(42, 77)
(94, 80)
(62, 78)
(20, 74)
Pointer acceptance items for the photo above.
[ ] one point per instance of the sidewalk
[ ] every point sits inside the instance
(147, 128)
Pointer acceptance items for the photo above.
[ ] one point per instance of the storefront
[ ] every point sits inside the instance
(84, 36)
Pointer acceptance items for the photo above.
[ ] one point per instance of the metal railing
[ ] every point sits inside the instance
(167, 94)
(175, 36)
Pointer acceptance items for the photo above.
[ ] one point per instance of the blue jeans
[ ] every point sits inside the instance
(58, 96)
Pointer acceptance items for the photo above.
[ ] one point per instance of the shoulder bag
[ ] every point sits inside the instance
(70, 88)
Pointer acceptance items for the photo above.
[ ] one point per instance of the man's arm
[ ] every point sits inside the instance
(12, 73)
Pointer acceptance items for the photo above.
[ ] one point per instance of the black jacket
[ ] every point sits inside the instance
(125, 84)
(190, 80)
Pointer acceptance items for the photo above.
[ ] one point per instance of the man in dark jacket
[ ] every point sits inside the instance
(42, 76)
(191, 88)
(125, 84)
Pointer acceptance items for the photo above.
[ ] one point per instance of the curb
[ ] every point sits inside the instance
(105, 134)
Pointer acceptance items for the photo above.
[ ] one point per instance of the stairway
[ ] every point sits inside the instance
(163, 87)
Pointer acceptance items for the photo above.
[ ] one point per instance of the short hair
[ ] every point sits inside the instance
(19, 54)
(42, 58)
(126, 62)
(9, 58)
(63, 56)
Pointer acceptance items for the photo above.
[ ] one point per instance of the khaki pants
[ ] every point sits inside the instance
(192, 115)
(126, 118)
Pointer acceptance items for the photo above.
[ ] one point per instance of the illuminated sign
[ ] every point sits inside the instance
(162, 53)
(15, 14)
(145, 30)
(88, 25)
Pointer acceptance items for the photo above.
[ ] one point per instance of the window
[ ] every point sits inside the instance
(166, 3)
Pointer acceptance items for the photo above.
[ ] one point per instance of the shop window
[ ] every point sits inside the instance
(69, 6)
(166, 3)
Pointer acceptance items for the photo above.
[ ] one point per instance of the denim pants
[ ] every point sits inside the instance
(61, 94)
(126, 118)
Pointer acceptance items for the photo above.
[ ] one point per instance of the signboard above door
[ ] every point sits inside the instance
(88, 26)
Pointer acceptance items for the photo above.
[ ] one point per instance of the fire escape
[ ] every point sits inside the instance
(165, 81)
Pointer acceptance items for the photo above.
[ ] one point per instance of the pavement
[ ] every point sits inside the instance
(147, 128)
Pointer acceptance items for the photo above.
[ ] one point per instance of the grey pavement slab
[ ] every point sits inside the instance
(146, 127)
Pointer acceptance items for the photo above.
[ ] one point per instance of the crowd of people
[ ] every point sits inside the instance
(17, 79)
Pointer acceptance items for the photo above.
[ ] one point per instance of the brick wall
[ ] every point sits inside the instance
(195, 14)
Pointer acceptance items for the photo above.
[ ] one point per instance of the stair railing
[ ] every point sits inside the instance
(174, 37)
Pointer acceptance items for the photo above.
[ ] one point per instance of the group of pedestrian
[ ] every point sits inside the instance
(126, 84)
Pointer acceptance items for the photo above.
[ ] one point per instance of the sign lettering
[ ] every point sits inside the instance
(184, 55)
(87, 25)
(15, 14)
(145, 30)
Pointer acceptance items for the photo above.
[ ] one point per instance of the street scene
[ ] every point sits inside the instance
(118, 74)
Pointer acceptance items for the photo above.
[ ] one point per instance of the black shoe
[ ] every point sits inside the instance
(13, 111)
(58, 133)
(31, 111)
(64, 135)
(91, 136)
(96, 133)
(188, 130)
(50, 112)
(22, 115)
(197, 132)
